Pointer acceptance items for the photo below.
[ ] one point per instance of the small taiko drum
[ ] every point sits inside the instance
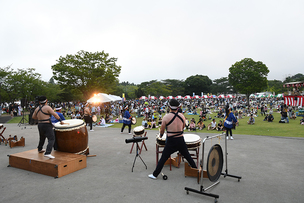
(72, 136)
(133, 121)
(94, 118)
(138, 131)
(192, 140)
(161, 140)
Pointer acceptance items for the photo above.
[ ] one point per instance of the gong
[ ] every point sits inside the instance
(215, 163)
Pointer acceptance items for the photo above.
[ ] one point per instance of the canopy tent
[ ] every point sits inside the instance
(143, 98)
(115, 98)
(221, 96)
(187, 97)
(230, 96)
(205, 96)
(170, 97)
(196, 97)
(162, 97)
(153, 97)
(279, 95)
(179, 97)
(102, 98)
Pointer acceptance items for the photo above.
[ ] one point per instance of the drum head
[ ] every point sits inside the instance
(139, 130)
(133, 120)
(94, 118)
(71, 123)
(192, 138)
(215, 163)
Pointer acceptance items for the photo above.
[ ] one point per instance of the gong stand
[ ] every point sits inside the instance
(226, 160)
(202, 189)
(213, 177)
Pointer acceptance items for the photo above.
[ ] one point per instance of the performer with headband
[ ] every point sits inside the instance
(174, 123)
(43, 114)
(87, 115)
(58, 111)
(126, 120)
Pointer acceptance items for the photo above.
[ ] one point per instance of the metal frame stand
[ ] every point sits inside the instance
(137, 155)
(202, 189)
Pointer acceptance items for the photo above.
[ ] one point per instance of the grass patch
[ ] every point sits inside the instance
(291, 129)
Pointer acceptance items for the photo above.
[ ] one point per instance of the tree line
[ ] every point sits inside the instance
(77, 77)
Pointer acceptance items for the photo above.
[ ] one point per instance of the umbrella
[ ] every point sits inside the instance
(100, 98)
(143, 97)
(179, 97)
(153, 97)
(162, 97)
(196, 97)
(170, 97)
(187, 97)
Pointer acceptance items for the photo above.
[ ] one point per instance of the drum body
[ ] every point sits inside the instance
(161, 140)
(138, 131)
(71, 137)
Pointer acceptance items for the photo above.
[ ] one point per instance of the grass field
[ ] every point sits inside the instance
(291, 129)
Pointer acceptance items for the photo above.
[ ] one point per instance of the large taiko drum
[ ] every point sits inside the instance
(72, 136)
(191, 140)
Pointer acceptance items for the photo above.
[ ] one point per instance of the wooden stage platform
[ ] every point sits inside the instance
(63, 164)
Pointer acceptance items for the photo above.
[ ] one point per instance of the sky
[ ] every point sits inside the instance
(155, 40)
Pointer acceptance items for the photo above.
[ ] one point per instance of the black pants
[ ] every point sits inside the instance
(228, 130)
(124, 125)
(88, 119)
(174, 145)
(46, 131)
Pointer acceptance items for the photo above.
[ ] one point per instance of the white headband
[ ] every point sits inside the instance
(42, 102)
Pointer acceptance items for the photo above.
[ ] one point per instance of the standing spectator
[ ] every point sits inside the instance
(228, 122)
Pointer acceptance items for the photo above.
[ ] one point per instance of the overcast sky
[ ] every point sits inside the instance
(155, 40)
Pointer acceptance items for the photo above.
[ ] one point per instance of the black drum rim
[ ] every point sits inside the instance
(217, 175)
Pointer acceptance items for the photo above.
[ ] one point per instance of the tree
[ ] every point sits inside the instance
(275, 86)
(248, 76)
(177, 87)
(87, 73)
(197, 84)
(221, 86)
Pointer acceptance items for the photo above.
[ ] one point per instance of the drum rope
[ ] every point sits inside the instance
(82, 152)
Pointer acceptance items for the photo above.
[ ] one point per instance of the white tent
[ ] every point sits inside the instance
(102, 97)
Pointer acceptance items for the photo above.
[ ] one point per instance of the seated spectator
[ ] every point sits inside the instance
(160, 120)
(220, 126)
(187, 124)
(266, 117)
(149, 122)
(270, 118)
(144, 123)
(293, 115)
(251, 120)
(212, 125)
(192, 126)
(302, 121)
(200, 124)
(102, 121)
(153, 123)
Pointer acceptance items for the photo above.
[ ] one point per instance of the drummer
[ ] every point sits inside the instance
(58, 111)
(126, 121)
(87, 115)
(43, 114)
(174, 123)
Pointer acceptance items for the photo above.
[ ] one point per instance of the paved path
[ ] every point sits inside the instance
(272, 171)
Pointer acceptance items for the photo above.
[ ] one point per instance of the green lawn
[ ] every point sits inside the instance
(291, 129)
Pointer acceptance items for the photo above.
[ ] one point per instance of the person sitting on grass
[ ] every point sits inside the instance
(220, 126)
(192, 126)
(251, 120)
(212, 125)
(200, 124)
(302, 121)
(270, 118)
